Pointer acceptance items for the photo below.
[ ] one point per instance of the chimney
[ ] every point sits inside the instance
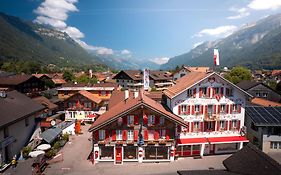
(136, 94)
(126, 94)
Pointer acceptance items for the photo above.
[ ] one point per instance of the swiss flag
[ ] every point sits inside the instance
(216, 57)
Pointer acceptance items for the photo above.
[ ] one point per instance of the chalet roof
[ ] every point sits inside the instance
(59, 81)
(264, 102)
(116, 97)
(251, 161)
(90, 96)
(246, 84)
(193, 69)
(155, 95)
(138, 74)
(264, 116)
(41, 75)
(193, 78)
(14, 79)
(125, 106)
(16, 106)
(45, 102)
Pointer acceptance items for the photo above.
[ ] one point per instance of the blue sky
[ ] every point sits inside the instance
(142, 29)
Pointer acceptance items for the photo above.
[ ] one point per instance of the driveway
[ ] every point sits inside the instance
(75, 161)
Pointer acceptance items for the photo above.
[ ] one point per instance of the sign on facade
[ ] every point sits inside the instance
(146, 79)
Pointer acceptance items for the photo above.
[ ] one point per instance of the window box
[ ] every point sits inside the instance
(102, 142)
(130, 142)
(151, 143)
(162, 141)
(119, 142)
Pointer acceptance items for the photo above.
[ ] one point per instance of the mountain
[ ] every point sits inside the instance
(256, 45)
(24, 40)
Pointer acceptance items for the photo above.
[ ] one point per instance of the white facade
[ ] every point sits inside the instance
(180, 74)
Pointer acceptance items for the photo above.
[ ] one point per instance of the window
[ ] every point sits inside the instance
(70, 105)
(118, 134)
(151, 119)
(228, 92)
(119, 121)
(204, 91)
(234, 124)
(26, 121)
(189, 93)
(264, 95)
(197, 108)
(258, 94)
(223, 108)
(65, 92)
(162, 133)
(130, 119)
(210, 125)
(150, 134)
(275, 145)
(162, 121)
(106, 152)
(101, 134)
(222, 124)
(183, 109)
(87, 104)
(235, 108)
(130, 135)
(210, 109)
(181, 75)
(130, 152)
(217, 90)
(196, 126)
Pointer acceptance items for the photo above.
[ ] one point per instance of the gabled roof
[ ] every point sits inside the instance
(16, 106)
(246, 84)
(138, 75)
(264, 102)
(264, 116)
(90, 96)
(59, 81)
(14, 79)
(45, 102)
(192, 79)
(251, 161)
(131, 104)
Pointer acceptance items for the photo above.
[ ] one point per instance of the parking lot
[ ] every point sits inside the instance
(75, 161)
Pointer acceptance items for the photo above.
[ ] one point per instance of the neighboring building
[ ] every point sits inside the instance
(17, 122)
(57, 79)
(263, 102)
(133, 79)
(247, 161)
(137, 129)
(102, 91)
(214, 110)
(276, 75)
(264, 127)
(184, 70)
(260, 90)
(83, 106)
(27, 84)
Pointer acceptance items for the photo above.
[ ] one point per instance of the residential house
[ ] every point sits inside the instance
(56, 78)
(184, 70)
(260, 90)
(276, 75)
(137, 129)
(27, 84)
(264, 127)
(214, 110)
(83, 106)
(17, 122)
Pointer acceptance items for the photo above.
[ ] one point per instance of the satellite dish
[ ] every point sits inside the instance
(53, 122)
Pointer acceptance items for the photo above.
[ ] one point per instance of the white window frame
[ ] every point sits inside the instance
(204, 91)
(189, 93)
(151, 119)
(130, 135)
(223, 108)
(119, 135)
(197, 108)
(234, 123)
(196, 125)
(101, 134)
(183, 108)
(222, 124)
(130, 119)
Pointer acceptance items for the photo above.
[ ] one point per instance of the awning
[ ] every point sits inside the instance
(214, 140)
(191, 141)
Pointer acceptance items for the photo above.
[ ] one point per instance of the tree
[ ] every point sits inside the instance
(237, 74)
(86, 79)
(68, 76)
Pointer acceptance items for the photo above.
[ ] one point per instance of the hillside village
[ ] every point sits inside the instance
(190, 112)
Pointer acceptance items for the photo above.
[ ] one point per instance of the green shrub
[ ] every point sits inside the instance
(65, 137)
(50, 153)
(25, 151)
(56, 145)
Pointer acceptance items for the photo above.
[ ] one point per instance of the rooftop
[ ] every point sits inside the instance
(264, 102)
(264, 116)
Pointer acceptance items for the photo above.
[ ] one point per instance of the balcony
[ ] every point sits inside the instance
(211, 117)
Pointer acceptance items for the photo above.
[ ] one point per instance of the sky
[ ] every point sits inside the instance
(153, 30)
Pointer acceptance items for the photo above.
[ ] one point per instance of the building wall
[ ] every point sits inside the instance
(254, 134)
(177, 75)
(271, 95)
(266, 143)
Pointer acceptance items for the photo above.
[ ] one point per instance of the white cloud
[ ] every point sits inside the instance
(197, 44)
(97, 50)
(242, 12)
(125, 52)
(160, 60)
(219, 31)
(265, 4)
(73, 32)
(58, 24)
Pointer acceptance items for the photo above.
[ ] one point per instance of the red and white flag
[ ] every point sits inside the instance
(216, 57)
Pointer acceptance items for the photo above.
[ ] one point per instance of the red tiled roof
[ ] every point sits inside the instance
(264, 102)
(90, 96)
(227, 139)
(58, 81)
(192, 140)
(15, 79)
(125, 106)
(276, 72)
(45, 102)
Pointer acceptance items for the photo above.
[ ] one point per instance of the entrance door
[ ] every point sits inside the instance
(118, 155)
(207, 149)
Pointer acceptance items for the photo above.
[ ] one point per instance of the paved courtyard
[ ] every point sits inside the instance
(75, 161)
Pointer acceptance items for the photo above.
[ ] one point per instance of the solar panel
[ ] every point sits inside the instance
(264, 115)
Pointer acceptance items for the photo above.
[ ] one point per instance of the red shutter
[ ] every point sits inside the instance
(192, 109)
(221, 92)
(106, 134)
(99, 93)
(125, 120)
(209, 92)
(192, 126)
(200, 92)
(214, 92)
(230, 124)
(136, 132)
(219, 109)
(96, 135)
(218, 125)
(188, 110)
(206, 109)
(156, 134)
(124, 135)
(205, 126)
(238, 125)
(231, 109)
(145, 120)
(167, 134)
(225, 126)
(214, 109)
(136, 120)
(179, 109)
(201, 126)
(194, 92)
(227, 109)
(239, 108)
(113, 135)
(145, 137)
(157, 118)
(201, 109)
